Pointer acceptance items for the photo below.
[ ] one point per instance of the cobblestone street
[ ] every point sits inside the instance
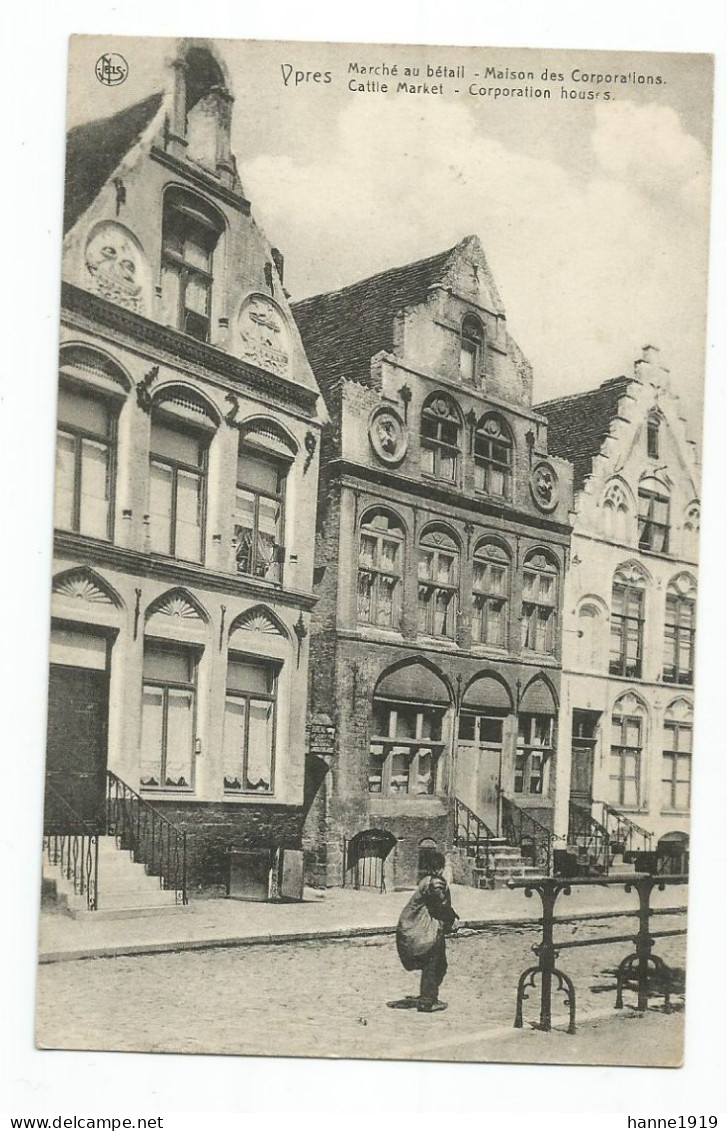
(330, 999)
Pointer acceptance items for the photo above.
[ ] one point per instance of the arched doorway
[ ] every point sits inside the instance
(672, 854)
(427, 848)
(482, 720)
(365, 856)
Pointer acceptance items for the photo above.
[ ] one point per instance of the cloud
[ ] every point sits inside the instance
(592, 261)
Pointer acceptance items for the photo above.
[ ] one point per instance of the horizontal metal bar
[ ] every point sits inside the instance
(570, 943)
(605, 881)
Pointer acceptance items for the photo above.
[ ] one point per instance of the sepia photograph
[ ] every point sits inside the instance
(371, 687)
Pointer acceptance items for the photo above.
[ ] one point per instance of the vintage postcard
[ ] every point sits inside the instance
(377, 511)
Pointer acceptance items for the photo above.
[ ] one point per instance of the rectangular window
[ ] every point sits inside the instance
(405, 750)
(85, 453)
(258, 521)
(379, 579)
(653, 522)
(489, 602)
(532, 757)
(537, 617)
(437, 574)
(177, 477)
(676, 766)
(168, 718)
(249, 727)
(625, 762)
(679, 630)
(188, 243)
(627, 631)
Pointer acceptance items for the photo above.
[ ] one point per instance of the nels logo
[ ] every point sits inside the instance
(112, 69)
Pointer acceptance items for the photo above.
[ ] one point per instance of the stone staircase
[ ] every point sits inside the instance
(124, 888)
(492, 868)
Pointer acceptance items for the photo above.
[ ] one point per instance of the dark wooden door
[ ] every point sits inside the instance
(78, 708)
(581, 784)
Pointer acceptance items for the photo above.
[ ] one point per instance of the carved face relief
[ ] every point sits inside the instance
(544, 486)
(387, 435)
(264, 335)
(115, 267)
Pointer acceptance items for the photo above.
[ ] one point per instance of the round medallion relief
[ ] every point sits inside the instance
(387, 434)
(544, 486)
(116, 266)
(264, 335)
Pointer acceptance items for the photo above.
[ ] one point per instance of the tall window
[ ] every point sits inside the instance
(493, 457)
(440, 438)
(168, 717)
(653, 517)
(470, 348)
(490, 587)
(677, 758)
(616, 514)
(406, 746)
(679, 630)
(652, 436)
(627, 740)
(438, 584)
(85, 455)
(189, 235)
(691, 531)
(249, 732)
(177, 477)
(380, 568)
(259, 549)
(538, 613)
(532, 757)
(627, 623)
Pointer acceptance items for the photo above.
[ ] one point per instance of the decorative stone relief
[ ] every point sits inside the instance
(264, 335)
(544, 486)
(116, 268)
(629, 704)
(684, 585)
(257, 620)
(630, 574)
(388, 434)
(177, 605)
(81, 586)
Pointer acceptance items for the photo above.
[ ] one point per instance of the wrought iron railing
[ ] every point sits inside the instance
(534, 839)
(148, 836)
(71, 844)
(625, 835)
(589, 836)
(472, 834)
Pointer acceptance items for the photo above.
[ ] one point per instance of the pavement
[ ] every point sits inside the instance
(337, 913)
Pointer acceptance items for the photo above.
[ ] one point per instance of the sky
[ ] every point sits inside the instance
(593, 214)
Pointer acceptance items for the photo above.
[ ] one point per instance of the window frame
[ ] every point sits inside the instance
(527, 749)
(377, 573)
(471, 343)
(487, 463)
(175, 466)
(78, 434)
(437, 446)
(393, 745)
(673, 673)
(529, 620)
(653, 426)
(482, 595)
(624, 620)
(649, 527)
(193, 655)
(622, 751)
(283, 467)
(275, 667)
(674, 754)
(427, 605)
(181, 216)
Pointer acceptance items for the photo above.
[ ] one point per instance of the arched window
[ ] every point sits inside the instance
(539, 604)
(438, 584)
(588, 636)
(493, 457)
(616, 513)
(440, 438)
(676, 772)
(380, 570)
(190, 232)
(535, 739)
(691, 531)
(653, 425)
(181, 430)
(679, 628)
(490, 589)
(408, 733)
(259, 509)
(470, 349)
(627, 622)
(85, 461)
(628, 727)
(653, 516)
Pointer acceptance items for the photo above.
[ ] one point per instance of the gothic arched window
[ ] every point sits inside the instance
(627, 622)
(440, 438)
(438, 574)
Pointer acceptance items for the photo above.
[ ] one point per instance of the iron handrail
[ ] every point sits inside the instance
(624, 822)
(465, 821)
(150, 837)
(519, 826)
(588, 834)
(74, 851)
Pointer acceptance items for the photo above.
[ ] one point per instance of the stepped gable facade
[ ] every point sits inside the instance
(441, 550)
(186, 484)
(625, 731)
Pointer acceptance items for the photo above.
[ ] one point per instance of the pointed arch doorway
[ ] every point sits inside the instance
(482, 726)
